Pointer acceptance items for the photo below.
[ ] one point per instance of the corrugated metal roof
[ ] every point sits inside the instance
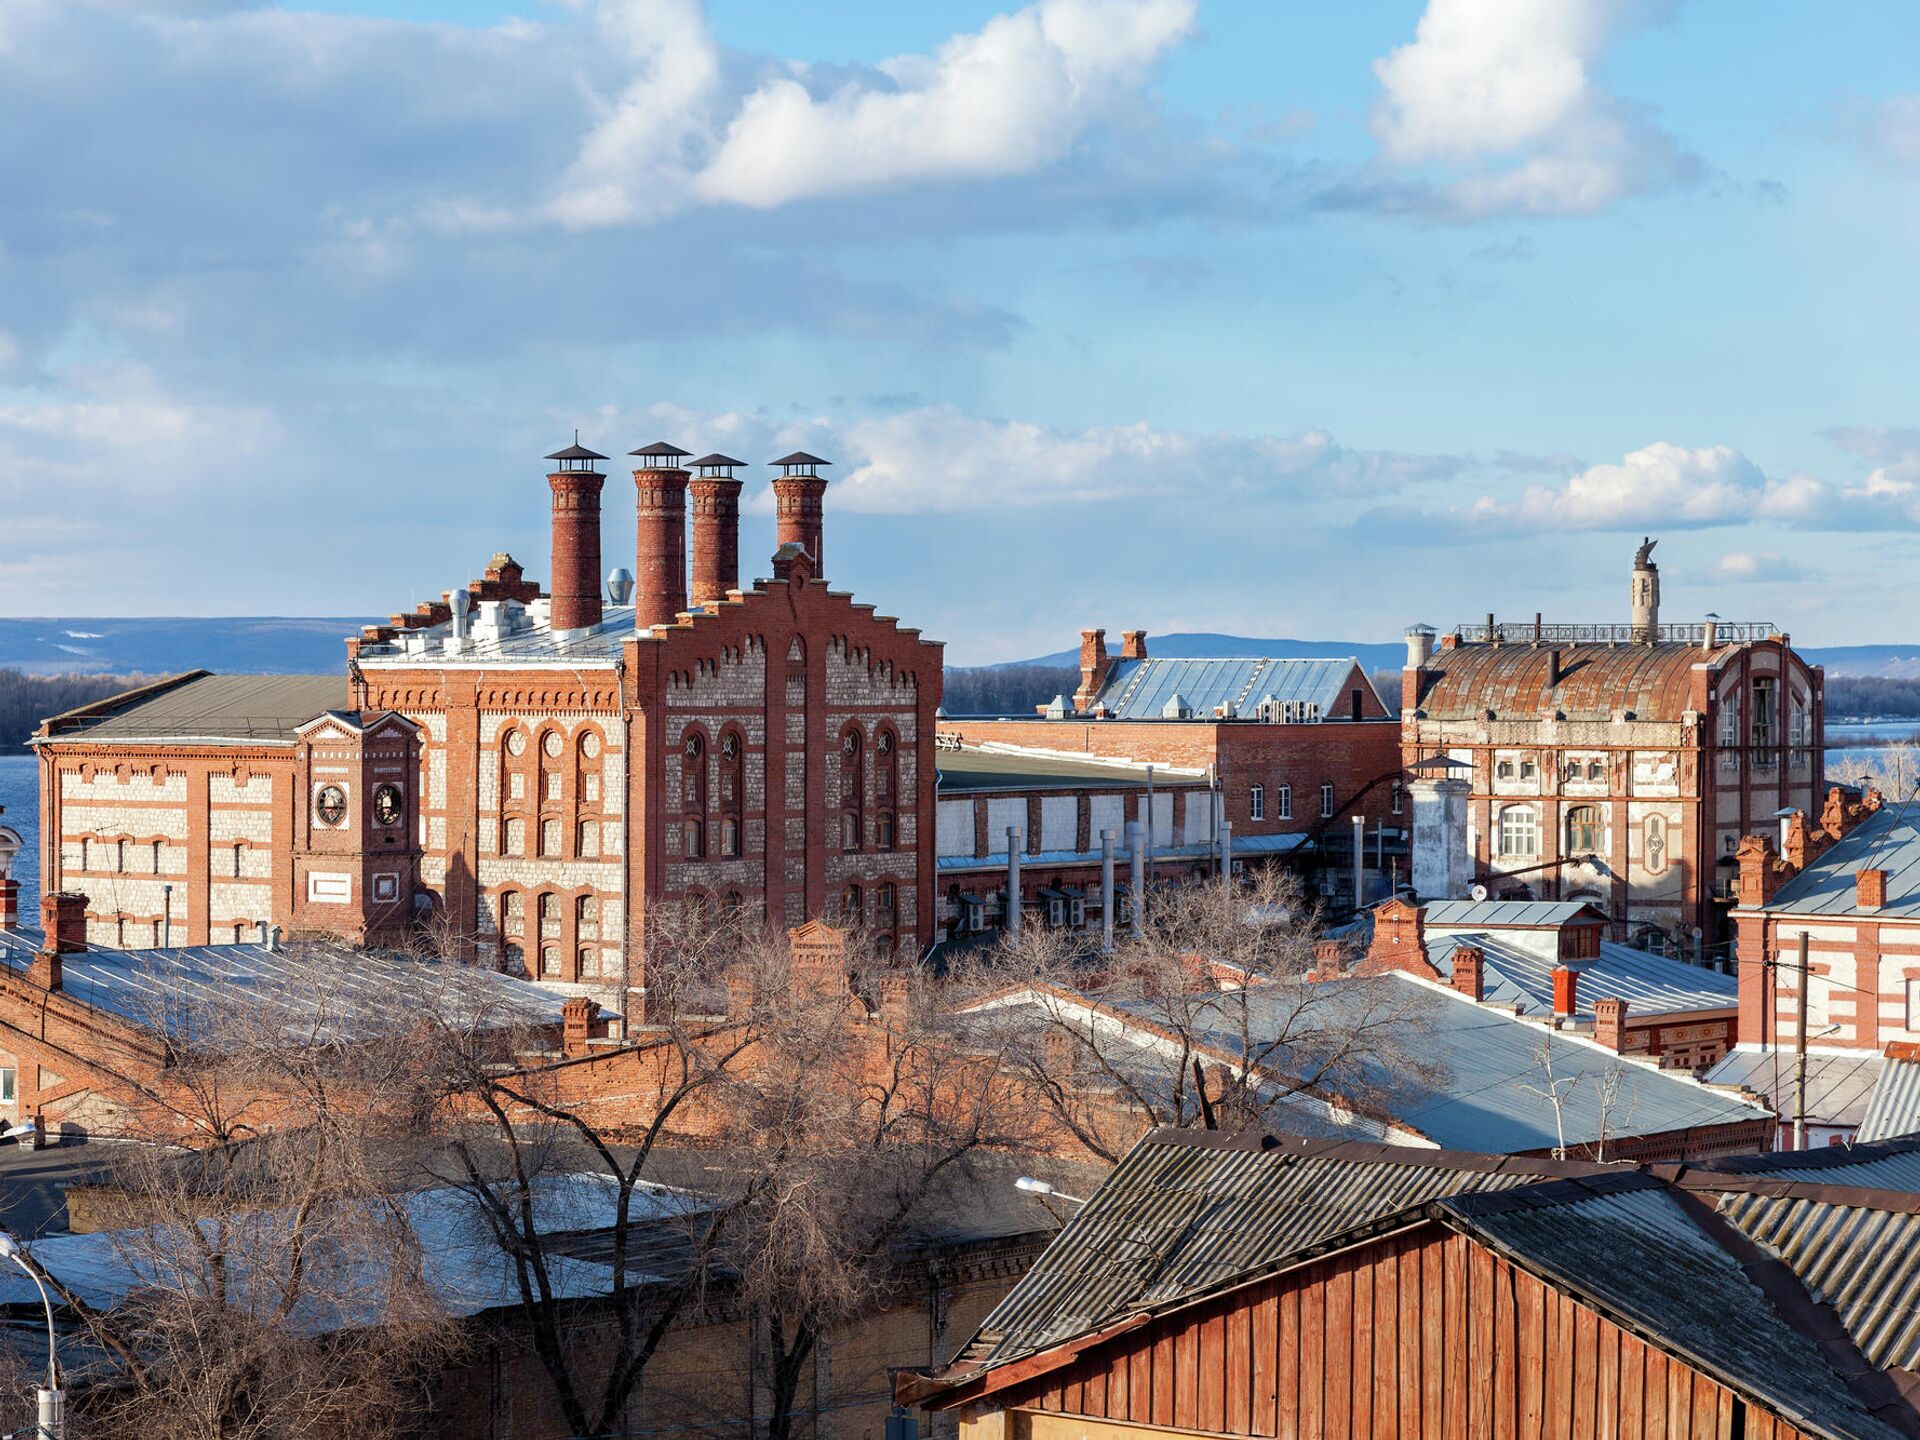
(319, 991)
(1482, 914)
(1625, 1244)
(1838, 1086)
(1177, 1219)
(1650, 984)
(1889, 840)
(1885, 1165)
(1141, 689)
(1862, 1261)
(1895, 1106)
(1652, 681)
(257, 709)
(976, 769)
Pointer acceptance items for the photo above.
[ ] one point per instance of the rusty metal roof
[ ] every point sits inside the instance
(1654, 682)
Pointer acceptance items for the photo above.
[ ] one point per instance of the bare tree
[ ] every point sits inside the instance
(1212, 1016)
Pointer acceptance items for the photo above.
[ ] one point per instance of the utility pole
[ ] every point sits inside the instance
(1800, 1051)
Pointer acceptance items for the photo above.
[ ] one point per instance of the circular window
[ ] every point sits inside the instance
(590, 745)
(886, 742)
(730, 745)
(330, 804)
(850, 743)
(693, 747)
(516, 742)
(388, 807)
(551, 742)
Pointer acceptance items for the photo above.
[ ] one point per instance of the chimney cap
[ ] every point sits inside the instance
(716, 461)
(799, 460)
(661, 450)
(576, 451)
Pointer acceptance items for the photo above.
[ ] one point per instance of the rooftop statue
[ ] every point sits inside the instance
(1642, 556)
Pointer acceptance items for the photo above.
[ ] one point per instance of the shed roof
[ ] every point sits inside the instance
(1652, 681)
(220, 709)
(1523, 914)
(1889, 840)
(1894, 1108)
(1141, 689)
(1650, 984)
(321, 992)
(1838, 1086)
(1002, 769)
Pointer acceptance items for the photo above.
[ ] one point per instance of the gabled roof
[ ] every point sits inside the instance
(1838, 1085)
(208, 709)
(1650, 984)
(1141, 689)
(1889, 840)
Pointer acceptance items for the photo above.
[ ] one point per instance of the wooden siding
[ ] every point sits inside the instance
(1423, 1334)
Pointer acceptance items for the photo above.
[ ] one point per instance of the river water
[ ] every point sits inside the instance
(20, 799)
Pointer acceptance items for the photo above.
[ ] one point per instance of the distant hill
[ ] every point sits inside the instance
(232, 645)
(1892, 660)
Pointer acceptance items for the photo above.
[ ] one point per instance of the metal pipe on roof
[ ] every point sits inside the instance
(1014, 835)
(1106, 891)
(1359, 862)
(1137, 887)
(166, 917)
(1226, 850)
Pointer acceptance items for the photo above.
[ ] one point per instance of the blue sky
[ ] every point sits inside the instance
(1273, 318)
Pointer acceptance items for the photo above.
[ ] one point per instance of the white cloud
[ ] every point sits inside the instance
(1006, 100)
(1746, 565)
(1502, 99)
(1890, 128)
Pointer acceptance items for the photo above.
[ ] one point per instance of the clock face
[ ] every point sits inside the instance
(388, 808)
(330, 804)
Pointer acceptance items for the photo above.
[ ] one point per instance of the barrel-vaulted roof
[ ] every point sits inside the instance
(1654, 682)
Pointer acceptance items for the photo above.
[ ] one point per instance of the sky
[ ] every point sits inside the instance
(1255, 316)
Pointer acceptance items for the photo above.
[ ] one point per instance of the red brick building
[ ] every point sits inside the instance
(760, 747)
(1616, 764)
(1296, 749)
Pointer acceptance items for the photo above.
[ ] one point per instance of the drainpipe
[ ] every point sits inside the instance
(1226, 850)
(1359, 862)
(1106, 891)
(1014, 837)
(1138, 888)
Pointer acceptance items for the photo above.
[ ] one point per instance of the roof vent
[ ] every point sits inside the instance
(620, 585)
(1176, 708)
(1057, 708)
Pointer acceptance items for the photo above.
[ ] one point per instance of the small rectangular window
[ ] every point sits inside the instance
(1283, 808)
(1326, 801)
(7, 1083)
(1257, 803)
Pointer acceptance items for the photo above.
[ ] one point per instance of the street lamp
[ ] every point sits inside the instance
(1033, 1186)
(53, 1404)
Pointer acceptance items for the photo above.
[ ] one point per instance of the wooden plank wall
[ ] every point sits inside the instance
(1422, 1335)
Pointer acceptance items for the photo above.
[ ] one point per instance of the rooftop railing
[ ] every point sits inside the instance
(1524, 632)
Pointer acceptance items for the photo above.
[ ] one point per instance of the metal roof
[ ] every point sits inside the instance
(1895, 1106)
(1650, 984)
(1889, 840)
(1526, 914)
(575, 451)
(799, 457)
(1654, 682)
(218, 709)
(1141, 689)
(1862, 1260)
(1838, 1086)
(973, 769)
(1881, 1165)
(1627, 1245)
(1185, 1213)
(323, 992)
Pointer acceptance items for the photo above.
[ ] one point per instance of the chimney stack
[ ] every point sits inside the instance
(714, 498)
(63, 925)
(1093, 667)
(1469, 970)
(797, 492)
(660, 553)
(9, 903)
(1610, 1023)
(1646, 593)
(576, 539)
(1870, 889)
(1133, 644)
(1566, 991)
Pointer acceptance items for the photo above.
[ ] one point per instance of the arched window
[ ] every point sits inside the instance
(693, 794)
(549, 962)
(853, 788)
(586, 766)
(513, 915)
(1326, 799)
(883, 905)
(733, 790)
(853, 905)
(586, 917)
(549, 912)
(552, 783)
(1283, 802)
(1519, 831)
(1257, 803)
(1584, 830)
(886, 788)
(513, 836)
(550, 838)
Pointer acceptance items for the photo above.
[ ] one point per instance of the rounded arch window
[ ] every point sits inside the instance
(516, 742)
(590, 745)
(552, 744)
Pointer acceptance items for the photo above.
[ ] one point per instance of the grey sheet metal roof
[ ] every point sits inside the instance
(1838, 1086)
(251, 709)
(1894, 1108)
(1180, 1216)
(1882, 1165)
(1140, 689)
(1482, 914)
(1650, 984)
(1626, 1244)
(974, 769)
(1888, 839)
(1861, 1260)
(325, 992)
(534, 641)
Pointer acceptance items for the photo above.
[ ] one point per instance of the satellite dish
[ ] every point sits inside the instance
(1478, 892)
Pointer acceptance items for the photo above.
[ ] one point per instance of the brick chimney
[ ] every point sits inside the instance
(576, 1024)
(1469, 970)
(9, 903)
(713, 497)
(1133, 644)
(1761, 873)
(797, 492)
(1610, 1023)
(660, 551)
(1566, 991)
(576, 536)
(896, 1000)
(1094, 665)
(1399, 940)
(1870, 889)
(63, 925)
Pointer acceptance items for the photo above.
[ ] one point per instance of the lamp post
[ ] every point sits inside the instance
(53, 1402)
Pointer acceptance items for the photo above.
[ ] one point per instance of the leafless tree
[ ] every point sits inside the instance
(1212, 1016)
